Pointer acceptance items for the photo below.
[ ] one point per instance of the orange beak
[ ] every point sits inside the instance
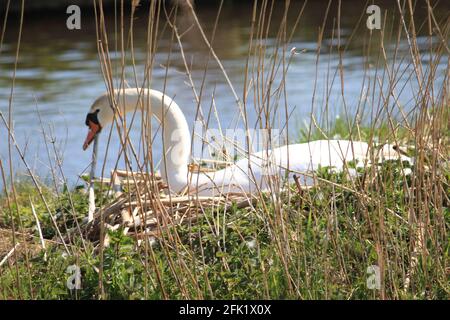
(94, 129)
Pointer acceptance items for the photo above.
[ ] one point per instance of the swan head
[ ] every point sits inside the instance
(100, 114)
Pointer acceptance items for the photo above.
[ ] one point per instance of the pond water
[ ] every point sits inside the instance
(58, 73)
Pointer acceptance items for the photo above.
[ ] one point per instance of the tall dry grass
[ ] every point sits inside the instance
(293, 243)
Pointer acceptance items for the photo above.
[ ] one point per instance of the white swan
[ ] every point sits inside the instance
(245, 175)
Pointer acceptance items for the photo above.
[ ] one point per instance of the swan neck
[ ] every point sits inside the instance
(175, 133)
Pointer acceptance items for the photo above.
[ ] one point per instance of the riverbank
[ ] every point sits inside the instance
(377, 229)
(317, 243)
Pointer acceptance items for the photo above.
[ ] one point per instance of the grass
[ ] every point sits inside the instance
(319, 248)
(319, 243)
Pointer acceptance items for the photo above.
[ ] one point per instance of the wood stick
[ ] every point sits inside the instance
(176, 200)
(38, 224)
(91, 209)
(124, 173)
(213, 161)
(10, 253)
(116, 185)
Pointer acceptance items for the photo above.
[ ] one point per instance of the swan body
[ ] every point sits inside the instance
(258, 171)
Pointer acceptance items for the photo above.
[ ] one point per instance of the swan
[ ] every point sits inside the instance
(246, 175)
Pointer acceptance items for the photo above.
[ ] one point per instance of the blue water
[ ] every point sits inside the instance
(58, 76)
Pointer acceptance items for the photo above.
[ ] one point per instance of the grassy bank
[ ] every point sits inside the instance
(376, 230)
(307, 244)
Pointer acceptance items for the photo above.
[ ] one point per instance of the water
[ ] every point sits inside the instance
(59, 76)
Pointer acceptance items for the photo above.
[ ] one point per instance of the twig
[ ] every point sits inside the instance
(38, 225)
(10, 253)
(91, 209)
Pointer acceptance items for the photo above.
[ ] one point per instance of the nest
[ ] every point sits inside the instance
(143, 207)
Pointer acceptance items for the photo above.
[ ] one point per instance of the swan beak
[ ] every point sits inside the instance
(94, 129)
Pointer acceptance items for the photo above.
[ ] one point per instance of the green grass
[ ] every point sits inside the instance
(341, 128)
(318, 246)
